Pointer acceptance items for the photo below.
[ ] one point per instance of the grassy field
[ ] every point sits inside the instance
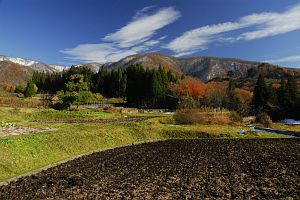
(295, 128)
(24, 153)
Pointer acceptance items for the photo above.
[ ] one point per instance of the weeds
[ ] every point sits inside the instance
(205, 116)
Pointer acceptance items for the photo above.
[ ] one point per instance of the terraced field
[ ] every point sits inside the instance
(174, 169)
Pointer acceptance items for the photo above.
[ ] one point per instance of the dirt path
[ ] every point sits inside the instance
(21, 130)
(175, 169)
(129, 119)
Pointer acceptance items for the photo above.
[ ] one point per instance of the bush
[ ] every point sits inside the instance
(264, 119)
(59, 106)
(97, 97)
(187, 102)
(202, 116)
(31, 89)
(235, 117)
(20, 89)
(67, 99)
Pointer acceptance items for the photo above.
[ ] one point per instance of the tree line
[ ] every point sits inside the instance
(139, 86)
(157, 88)
(279, 103)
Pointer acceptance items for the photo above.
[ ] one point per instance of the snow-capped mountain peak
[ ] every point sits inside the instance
(35, 65)
(59, 68)
(20, 61)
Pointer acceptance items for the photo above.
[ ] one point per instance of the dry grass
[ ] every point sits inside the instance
(204, 116)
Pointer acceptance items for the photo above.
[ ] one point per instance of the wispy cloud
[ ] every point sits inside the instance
(263, 24)
(135, 37)
(295, 58)
(198, 39)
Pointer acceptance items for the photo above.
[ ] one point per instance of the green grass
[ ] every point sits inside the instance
(280, 126)
(28, 114)
(24, 153)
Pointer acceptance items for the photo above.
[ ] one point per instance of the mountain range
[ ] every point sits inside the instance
(19, 70)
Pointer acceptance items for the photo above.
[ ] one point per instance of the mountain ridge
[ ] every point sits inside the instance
(205, 68)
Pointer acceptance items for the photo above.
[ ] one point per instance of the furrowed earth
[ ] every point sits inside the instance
(173, 169)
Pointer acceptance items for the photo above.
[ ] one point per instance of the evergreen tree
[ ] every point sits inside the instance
(282, 94)
(291, 88)
(288, 98)
(31, 89)
(260, 95)
(123, 85)
(233, 101)
(157, 87)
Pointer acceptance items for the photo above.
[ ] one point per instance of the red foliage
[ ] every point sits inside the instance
(189, 86)
(216, 86)
(248, 86)
(245, 95)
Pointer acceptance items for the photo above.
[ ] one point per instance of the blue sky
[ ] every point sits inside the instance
(78, 31)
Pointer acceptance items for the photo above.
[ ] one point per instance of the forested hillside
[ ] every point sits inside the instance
(158, 88)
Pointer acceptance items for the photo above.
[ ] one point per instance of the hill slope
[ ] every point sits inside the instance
(204, 68)
(15, 71)
(18, 70)
(12, 73)
(34, 65)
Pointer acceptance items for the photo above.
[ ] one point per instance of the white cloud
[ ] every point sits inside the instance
(135, 37)
(90, 52)
(274, 24)
(199, 38)
(263, 25)
(142, 28)
(142, 12)
(295, 58)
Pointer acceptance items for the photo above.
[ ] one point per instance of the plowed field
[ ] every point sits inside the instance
(174, 169)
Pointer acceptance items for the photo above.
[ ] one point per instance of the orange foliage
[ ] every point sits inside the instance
(8, 87)
(189, 86)
(216, 86)
(198, 89)
(248, 86)
(244, 95)
(276, 85)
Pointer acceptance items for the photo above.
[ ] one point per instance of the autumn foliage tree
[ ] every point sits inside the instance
(189, 87)
(215, 95)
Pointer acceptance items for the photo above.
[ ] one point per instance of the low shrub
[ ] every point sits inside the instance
(203, 116)
(220, 119)
(235, 117)
(264, 119)
(187, 102)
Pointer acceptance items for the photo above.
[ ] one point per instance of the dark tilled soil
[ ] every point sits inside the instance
(175, 169)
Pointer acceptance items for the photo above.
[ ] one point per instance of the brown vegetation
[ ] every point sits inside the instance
(12, 74)
(205, 116)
